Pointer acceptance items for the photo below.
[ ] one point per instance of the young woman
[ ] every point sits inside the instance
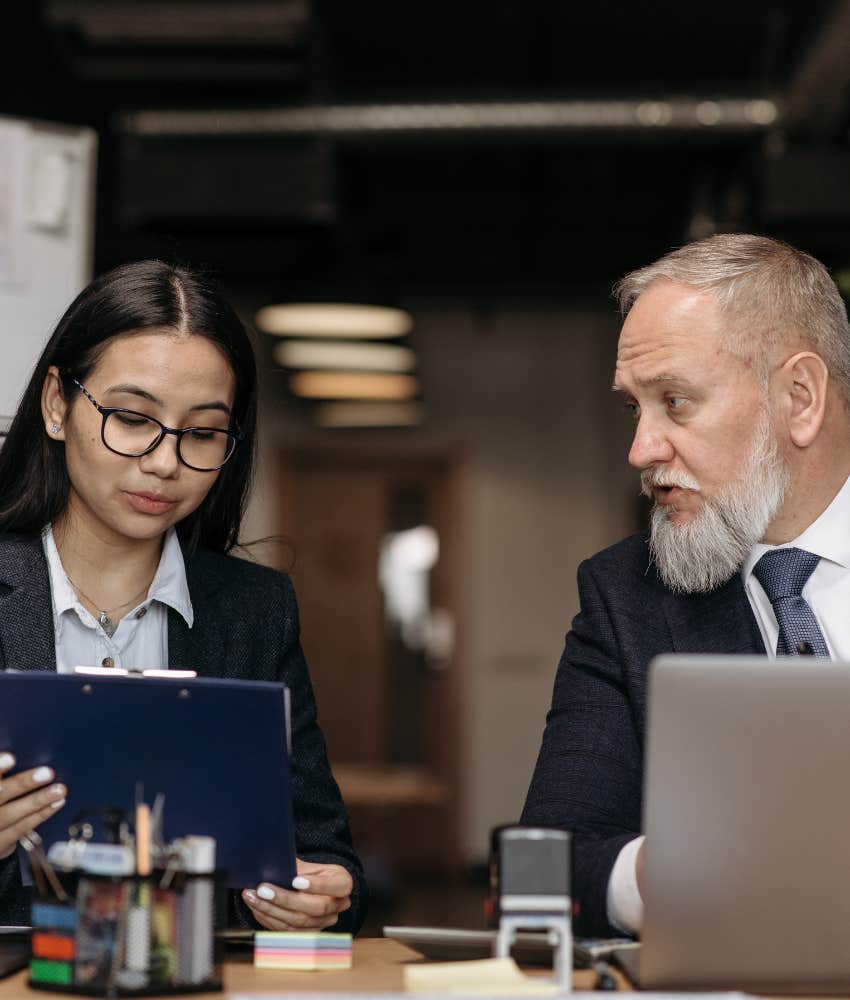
(123, 481)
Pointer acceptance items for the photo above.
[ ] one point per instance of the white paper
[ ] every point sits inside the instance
(14, 244)
(373, 995)
(50, 190)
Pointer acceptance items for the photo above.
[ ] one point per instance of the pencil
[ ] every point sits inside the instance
(143, 839)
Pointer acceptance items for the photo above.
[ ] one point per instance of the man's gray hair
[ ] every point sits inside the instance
(770, 292)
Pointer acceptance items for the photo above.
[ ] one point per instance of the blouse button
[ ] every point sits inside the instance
(141, 612)
(107, 661)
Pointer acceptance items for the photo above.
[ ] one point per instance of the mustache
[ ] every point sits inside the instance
(659, 476)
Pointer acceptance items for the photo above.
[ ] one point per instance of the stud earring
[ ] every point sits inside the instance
(54, 428)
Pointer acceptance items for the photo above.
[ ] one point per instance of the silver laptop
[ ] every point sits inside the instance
(747, 816)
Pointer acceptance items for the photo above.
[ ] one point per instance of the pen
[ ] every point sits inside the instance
(156, 823)
(143, 839)
(605, 980)
(41, 867)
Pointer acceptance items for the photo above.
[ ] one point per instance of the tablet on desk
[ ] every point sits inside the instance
(452, 944)
(217, 749)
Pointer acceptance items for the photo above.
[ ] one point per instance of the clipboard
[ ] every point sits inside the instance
(217, 749)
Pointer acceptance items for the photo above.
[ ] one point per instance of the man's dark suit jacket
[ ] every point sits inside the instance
(589, 773)
(245, 627)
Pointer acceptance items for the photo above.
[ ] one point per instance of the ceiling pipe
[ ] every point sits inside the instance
(735, 114)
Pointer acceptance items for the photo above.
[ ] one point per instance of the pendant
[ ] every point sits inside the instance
(107, 624)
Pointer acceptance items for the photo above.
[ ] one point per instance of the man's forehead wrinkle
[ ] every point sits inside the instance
(633, 345)
(631, 353)
(644, 363)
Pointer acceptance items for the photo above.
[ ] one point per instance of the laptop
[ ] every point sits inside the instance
(747, 816)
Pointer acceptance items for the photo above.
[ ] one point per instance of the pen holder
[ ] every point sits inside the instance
(127, 936)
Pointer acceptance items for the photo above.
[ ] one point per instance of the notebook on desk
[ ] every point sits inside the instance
(217, 749)
(747, 817)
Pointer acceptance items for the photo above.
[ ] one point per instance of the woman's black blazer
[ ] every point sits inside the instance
(245, 627)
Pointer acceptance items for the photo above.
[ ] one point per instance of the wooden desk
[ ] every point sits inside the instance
(377, 968)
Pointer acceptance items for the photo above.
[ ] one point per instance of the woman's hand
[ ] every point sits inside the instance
(24, 801)
(319, 894)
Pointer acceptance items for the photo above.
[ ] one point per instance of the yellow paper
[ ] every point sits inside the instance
(483, 977)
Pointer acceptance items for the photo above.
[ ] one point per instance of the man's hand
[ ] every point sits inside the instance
(319, 894)
(24, 801)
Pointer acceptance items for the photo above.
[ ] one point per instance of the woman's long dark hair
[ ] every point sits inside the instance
(141, 296)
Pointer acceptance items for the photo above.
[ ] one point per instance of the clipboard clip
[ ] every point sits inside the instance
(175, 675)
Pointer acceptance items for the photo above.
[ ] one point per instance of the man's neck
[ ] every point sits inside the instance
(812, 490)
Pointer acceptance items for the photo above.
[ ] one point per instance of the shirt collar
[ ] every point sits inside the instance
(169, 585)
(828, 536)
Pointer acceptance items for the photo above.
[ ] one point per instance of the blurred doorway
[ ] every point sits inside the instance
(376, 536)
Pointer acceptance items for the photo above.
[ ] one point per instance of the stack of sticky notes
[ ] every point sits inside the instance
(53, 944)
(301, 950)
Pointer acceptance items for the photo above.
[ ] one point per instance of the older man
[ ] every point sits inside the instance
(734, 361)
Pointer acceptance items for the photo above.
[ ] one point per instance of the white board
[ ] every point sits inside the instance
(47, 188)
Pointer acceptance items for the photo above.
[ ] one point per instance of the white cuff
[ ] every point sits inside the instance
(624, 903)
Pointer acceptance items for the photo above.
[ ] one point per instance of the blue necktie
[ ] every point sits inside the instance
(783, 574)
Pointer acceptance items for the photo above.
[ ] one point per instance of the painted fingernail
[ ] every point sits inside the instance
(250, 896)
(56, 791)
(6, 761)
(57, 805)
(265, 892)
(42, 774)
(299, 882)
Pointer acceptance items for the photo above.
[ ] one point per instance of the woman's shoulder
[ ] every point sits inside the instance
(20, 553)
(17, 541)
(236, 571)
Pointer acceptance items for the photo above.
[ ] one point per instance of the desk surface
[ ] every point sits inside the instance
(377, 968)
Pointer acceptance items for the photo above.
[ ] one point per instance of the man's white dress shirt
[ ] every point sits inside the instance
(828, 593)
(141, 639)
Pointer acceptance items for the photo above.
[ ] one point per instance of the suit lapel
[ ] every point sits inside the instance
(179, 641)
(26, 615)
(204, 646)
(719, 622)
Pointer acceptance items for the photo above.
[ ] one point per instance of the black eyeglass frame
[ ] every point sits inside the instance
(106, 411)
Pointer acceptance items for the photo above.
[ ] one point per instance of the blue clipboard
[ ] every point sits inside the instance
(217, 749)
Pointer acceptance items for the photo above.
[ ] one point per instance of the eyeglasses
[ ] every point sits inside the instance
(132, 434)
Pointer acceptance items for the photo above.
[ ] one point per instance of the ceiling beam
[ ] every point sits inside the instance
(220, 23)
(816, 99)
(737, 114)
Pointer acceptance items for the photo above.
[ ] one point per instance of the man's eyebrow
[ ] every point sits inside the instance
(135, 390)
(662, 378)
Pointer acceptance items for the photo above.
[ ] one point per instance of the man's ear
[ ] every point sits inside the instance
(54, 407)
(803, 382)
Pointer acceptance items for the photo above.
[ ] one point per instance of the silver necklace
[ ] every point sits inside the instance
(106, 623)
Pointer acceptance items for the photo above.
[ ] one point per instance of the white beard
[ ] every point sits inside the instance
(708, 550)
